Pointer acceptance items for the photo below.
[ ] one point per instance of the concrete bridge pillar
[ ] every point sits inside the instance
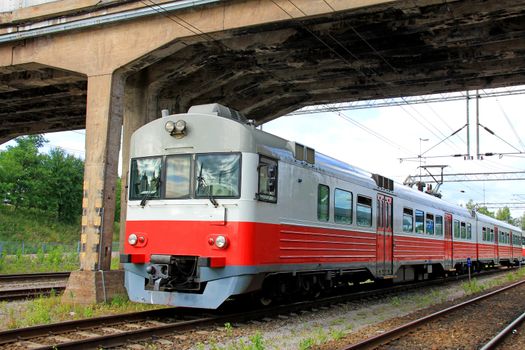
(94, 282)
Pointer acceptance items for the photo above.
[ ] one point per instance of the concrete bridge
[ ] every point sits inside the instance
(105, 64)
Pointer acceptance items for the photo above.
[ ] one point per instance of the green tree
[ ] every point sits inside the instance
(480, 209)
(503, 214)
(21, 172)
(63, 185)
(48, 182)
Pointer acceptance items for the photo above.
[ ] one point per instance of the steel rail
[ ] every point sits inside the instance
(504, 333)
(33, 276)
(200, 318)
(397, 332)
(31, 292)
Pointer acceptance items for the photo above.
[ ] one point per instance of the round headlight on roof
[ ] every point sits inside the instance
(169, 126)
(132, 239)
(180, 125)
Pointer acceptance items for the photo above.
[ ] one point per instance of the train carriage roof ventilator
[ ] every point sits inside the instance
(219, 110)
(301, 152)
(383, 182)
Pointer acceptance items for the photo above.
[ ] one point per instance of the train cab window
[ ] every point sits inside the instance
(469, 231)
(456, 229)
(267, 191)
(145, 178)
(439, 225)
(463, 230)
(218, 175)
(408, 220)
(323, 202)
(178, 170)
(420, 221)
(430, 224)
(364, 211)
(343, 206)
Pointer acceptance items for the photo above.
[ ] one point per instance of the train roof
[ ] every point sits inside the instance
(285, 150)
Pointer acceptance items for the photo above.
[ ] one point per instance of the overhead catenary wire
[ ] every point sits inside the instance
(375, 74)
(510, 124)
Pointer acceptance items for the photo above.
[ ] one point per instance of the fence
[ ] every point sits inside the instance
(12, 248)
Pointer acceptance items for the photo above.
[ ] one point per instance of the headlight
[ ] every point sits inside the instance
(169, 126)
(132, 239)
(180, 125)
(221, 242)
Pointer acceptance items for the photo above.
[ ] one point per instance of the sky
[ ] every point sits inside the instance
(391, 133)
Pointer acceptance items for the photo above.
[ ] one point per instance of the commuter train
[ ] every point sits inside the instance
(219, 209)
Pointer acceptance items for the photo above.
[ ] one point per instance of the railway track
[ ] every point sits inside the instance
(404, 332)
(117, 330)
(26, 293)
(504, 334)
(31, 285)
(33, 276)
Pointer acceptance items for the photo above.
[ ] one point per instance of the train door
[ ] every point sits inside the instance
(496, 243)
(384, 265)
(449, 263)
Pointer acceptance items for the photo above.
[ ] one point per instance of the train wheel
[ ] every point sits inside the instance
(265, 301)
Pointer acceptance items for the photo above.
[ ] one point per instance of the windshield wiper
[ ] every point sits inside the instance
(145, 198)
(202, 183)
(149, 194)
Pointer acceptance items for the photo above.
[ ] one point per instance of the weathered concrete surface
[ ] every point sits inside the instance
(266, 58)
(89, 287)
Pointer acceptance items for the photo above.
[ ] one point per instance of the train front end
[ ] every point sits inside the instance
(190, 199)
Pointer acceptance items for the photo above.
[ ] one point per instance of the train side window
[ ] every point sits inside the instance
(343, 206)
(408, 220)
(323, 202)
(484, 231)
(491, 235)
(439, 225)
(430, 224)
(469, 231)
(364, 211)
(456, 228)
(267, 191)
(420, 221)
(463, 230)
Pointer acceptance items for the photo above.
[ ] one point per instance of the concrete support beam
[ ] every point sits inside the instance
(103, 131)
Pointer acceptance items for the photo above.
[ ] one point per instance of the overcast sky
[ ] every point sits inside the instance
(391, 133)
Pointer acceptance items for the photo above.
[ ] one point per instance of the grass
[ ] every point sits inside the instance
(53, 261)
(31, 225)
(45, 310)
(36, 228)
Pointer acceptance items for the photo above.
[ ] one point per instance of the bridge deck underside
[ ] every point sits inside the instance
(401, 49)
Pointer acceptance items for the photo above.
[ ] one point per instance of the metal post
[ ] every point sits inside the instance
(468, 127)
(477, 125)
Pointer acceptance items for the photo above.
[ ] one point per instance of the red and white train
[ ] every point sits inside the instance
(218, 208)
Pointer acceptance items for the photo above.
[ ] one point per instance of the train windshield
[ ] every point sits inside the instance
(217, 175)
(145, 178)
